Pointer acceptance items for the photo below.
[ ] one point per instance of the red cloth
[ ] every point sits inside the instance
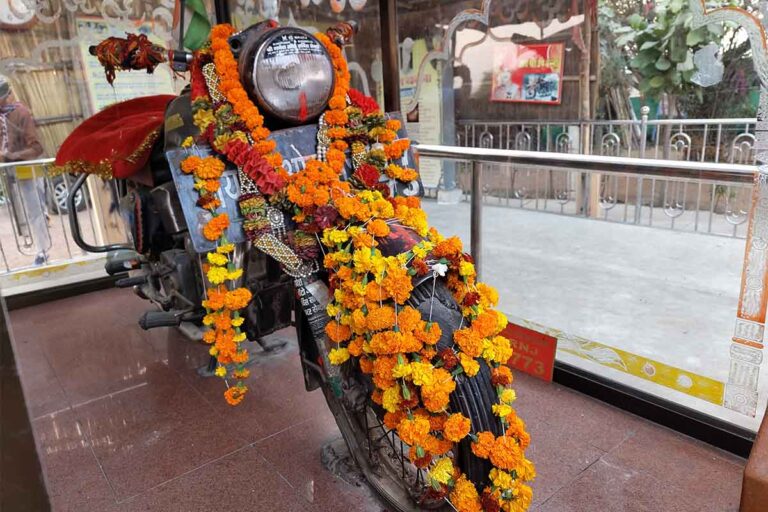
(119, 137)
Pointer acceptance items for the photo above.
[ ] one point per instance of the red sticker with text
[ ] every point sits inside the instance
(534, 352)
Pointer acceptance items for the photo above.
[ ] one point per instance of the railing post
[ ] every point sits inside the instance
(644, 111)
(476, 217)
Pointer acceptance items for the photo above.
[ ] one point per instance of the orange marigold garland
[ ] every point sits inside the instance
(222, 304)
(371, 322)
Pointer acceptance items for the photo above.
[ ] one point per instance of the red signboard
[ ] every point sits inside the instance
(529, 73)
(534, 352)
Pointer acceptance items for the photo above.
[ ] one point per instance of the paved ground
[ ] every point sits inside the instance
(124, 423)
(663, 294)
(669, 296)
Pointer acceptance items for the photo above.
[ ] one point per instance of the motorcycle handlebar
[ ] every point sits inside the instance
(74, 222)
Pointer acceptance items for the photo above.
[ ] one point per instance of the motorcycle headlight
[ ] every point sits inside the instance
(289, 74)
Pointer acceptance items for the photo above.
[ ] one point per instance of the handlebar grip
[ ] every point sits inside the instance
(154, 319)
(128, 282)
(118, 266)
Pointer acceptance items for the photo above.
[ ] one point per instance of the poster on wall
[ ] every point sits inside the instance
(528, 73)
(129, 84)
(424, 122)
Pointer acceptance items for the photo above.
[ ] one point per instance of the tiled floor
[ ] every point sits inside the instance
(124, 423)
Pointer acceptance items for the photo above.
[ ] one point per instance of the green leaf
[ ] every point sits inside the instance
(625, 39)
(678, 53)
(675, 6)
(636, 21)
(715, 29)
(656, 82)
(695, 37)
(687, 64)
(663, 64)
(648, 44)
(642, 59)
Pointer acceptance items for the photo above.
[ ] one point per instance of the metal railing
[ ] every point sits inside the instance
(592, 188)
(34, 215)
(701, 140)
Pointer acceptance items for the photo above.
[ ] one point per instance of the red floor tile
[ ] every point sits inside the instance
(146, 432)
(296, 453)
(153, 432)
(74, 480)
(241, 481)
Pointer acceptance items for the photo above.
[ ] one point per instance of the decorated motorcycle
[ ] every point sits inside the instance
(270, 193)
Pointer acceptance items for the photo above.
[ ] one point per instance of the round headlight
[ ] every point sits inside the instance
(290, 74)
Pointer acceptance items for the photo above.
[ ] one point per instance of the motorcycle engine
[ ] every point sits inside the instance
(287, 71)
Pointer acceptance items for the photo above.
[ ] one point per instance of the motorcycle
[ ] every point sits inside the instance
(165, 264)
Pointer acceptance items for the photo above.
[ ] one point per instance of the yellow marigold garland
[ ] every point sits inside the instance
(222, 304)
(370, 319)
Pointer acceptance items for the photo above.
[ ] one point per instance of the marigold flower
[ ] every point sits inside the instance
(421, 373)
(225, 248)
(189, 164)
(489, 500)
(408, 319)
(338, 356)
(413, 431)
(483, 445)
(217, 275)
(391, 399)
(428, 333)
(382, 371)
(366, 365)
(216, 227)
(456, 427)
(241, 374)
(215, 258)
(485, 324)
(469, 365)
(501, 410)
(396, 149)
(436, 395)
(393, 124)
(442, 471)
(215, 299)
(506, 453)
(237, 299)
(377, 228)
(488, 295)
(464, 496)
(501, 376)
(401, 173)
(337, 332)
(469, 342)
(380, 318)
(235, 394)
(497, 350)
(355, 347)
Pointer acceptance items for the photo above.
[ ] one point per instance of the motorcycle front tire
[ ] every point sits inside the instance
(473, 398)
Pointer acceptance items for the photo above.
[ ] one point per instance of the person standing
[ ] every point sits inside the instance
(19, 141)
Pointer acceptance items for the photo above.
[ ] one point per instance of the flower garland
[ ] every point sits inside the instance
(222, 304)
(370, 319)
